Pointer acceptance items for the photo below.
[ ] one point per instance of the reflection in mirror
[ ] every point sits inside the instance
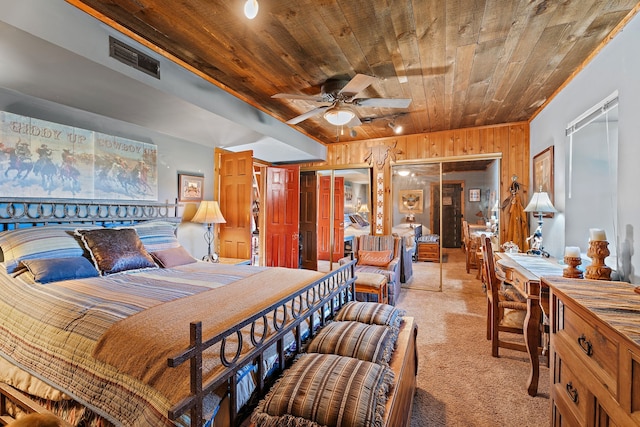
(341, 213)
(592, 179)
(468, 190)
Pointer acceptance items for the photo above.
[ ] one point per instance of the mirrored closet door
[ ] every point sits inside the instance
(433, 202)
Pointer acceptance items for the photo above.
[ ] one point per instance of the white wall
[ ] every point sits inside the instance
(616, 67)
(174, 155)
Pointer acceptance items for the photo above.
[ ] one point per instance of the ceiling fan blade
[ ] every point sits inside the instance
(357, 84)
(305, 116)
(354, 122)
(314, 98)
(383, 102)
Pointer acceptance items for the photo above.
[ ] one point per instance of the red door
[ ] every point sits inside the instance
(282, 200)
(325, 224)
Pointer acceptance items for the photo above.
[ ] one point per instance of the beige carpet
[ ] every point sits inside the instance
(459, 382)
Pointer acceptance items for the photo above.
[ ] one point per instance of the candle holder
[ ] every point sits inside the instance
(571, 270)
(598, 251)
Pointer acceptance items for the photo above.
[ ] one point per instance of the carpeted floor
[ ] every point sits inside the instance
(459, 382)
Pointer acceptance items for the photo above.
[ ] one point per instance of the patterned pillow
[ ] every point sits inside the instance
(326, 390)
(51, 241)
(173, 257)
(374, 258)
(116, 249)
(157, 235)
(371, 313)
(373, 343)
(56, 269)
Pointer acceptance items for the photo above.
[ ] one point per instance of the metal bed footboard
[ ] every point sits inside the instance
(322, 298)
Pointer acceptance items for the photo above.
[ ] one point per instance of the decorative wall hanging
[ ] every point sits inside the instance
(543, 174)
(379, 203)
(190, 187)
(44, 159)
(410, 202)
(474, 195)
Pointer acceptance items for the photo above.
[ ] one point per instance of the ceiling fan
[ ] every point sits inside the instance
(340, 94)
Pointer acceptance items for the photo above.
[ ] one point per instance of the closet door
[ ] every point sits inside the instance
(282, 199)
(308, 220)
(328, 225)
(236, 186)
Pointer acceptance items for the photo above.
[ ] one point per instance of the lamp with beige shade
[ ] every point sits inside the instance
(209, 213)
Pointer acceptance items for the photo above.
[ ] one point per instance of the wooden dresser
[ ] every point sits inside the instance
(428, 248)
(595, 353)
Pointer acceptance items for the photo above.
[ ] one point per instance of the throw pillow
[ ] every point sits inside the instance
(57, 269)
(115, 250)
(173, 257)
(374, 258)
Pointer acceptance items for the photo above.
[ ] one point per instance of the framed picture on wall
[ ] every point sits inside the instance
(190, 187)
(543, 174)
(474, 194)
(411, 201)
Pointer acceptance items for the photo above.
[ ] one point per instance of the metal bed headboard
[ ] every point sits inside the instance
(16, 212)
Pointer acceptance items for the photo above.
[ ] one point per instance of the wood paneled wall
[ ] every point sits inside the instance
(510, 141)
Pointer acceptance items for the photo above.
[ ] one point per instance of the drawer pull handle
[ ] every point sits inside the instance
(572, 392)
(585, 345)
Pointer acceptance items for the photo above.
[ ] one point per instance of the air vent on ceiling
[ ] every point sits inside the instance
(134, 58)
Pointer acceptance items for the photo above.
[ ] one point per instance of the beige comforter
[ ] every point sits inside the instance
(52, 331)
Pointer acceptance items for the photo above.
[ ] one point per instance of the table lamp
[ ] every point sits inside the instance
(364, 210)
(539, 205)
(209, 213)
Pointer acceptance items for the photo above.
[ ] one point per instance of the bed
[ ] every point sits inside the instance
(143, 334)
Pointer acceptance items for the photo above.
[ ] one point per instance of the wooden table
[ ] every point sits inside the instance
(523, 272)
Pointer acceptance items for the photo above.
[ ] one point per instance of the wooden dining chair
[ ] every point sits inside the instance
(499, 300)
(470, 247)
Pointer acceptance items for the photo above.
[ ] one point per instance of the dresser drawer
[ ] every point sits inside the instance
(598, 349)
(570, 394)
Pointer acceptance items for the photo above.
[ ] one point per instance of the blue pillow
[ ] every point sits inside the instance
(56, 269)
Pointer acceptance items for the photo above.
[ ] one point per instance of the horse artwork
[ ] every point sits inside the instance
(44, 159)
(20, 163)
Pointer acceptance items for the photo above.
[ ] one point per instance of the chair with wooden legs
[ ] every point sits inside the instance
(470, 247)
(497, 302)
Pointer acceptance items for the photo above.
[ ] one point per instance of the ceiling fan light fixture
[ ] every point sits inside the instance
(397, 129)
(251, 9)
(339, 116)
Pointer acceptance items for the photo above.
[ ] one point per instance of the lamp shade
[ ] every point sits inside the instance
(209, 213)
(541, 203)
(364, 208)
(339, 116)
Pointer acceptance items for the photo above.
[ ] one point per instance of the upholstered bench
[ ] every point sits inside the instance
(373, 283)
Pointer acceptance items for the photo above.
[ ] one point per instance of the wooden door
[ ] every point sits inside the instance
(308, 220)
(282, 199)
(236, 179)
(327, 225)
(451, 213)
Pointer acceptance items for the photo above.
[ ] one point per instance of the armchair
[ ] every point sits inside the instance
(380, 254)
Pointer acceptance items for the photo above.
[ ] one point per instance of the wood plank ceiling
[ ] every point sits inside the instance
(463, 63)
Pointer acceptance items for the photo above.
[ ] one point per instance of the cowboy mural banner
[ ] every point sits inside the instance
(44, 159)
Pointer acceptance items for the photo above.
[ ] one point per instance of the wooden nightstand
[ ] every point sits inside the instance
(234, 261)
(428, 251)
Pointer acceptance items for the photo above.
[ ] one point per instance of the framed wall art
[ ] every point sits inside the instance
(474, 194)
(411, 201)
(543, 174)
(190, 187)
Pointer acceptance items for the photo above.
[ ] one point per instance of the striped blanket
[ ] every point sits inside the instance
(51, 331)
